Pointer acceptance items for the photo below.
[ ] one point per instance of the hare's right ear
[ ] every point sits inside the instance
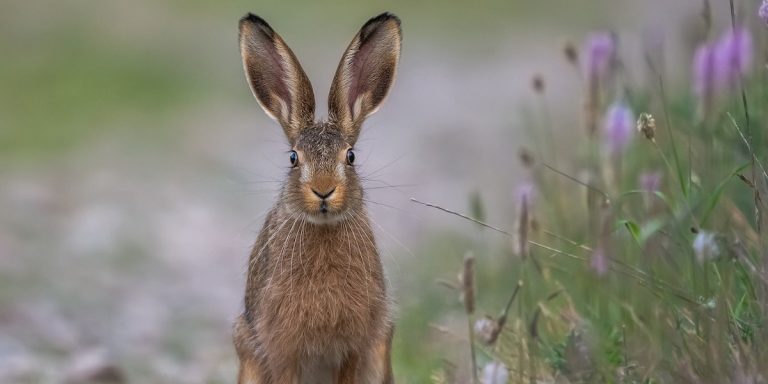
(365, 73)
(275, 76)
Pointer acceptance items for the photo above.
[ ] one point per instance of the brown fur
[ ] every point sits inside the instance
(316, 307)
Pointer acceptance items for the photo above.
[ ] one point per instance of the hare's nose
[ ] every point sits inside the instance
(324, 194)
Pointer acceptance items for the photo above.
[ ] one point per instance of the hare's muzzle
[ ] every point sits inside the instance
(324, 196)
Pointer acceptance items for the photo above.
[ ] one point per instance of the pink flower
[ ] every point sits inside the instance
(734, 56)
(525, 194)
(599, 262)
(704, 71)
(601, 50)
(618, 127)
(650, 181)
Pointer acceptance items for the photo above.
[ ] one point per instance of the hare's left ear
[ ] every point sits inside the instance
(365, 73)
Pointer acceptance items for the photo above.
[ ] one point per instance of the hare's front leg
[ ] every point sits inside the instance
(378, 370)
(349, 372)
(251, 373)
(373, 367)
(252, 368)
(382, 359)
(283, 368)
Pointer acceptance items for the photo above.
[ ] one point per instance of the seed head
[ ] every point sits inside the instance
(525, 196)
(468, 283)
(571, 54)
(646, 125)
(538, 83)
(487, 330)
(526, 158)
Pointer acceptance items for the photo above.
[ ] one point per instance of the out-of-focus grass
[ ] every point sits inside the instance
(71, 87)
(460, 15)
(67, 79)
(667, 303)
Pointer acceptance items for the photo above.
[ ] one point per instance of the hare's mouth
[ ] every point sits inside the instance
(324, 217)
(323, 211)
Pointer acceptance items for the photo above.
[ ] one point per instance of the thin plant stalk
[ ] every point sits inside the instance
(745, 105)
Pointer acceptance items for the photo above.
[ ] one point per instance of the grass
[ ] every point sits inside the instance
(90, 86)
(682, 296)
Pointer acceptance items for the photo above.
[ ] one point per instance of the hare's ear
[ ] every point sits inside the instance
(275, 76)
(365, 73)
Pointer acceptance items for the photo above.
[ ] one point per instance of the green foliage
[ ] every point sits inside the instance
(667, 309)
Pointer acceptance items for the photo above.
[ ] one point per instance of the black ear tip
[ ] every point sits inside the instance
(384, 17)
(250, 18)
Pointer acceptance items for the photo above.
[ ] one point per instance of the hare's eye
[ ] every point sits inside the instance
(350, 157)
(294, 158)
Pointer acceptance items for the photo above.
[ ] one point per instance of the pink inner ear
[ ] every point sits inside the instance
(279, 85)
(358, 65)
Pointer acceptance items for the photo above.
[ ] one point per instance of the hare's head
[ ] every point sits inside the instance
(322, 182)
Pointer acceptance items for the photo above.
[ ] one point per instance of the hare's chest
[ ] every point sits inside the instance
(327, 303)
(330, 294)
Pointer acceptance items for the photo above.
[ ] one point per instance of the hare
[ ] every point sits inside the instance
(316, 306)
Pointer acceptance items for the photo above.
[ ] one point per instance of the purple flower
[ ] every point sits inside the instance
(618, 127)
(734, 56)
(600, 49)
(525, 194)
(599, 262)
(704, 71)
(763, 11)
(650, 181)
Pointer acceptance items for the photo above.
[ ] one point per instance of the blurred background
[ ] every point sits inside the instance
(136, 167)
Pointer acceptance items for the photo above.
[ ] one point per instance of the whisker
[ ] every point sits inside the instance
(280, 257)
(257, 254)
(349, 244)
(409, 214)
(392, 186)
(373, 244)
(360, 254)
(292, 256)
(253, 221)
(385, 165)
(384, 183)
(394, 238)
(301, 246)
